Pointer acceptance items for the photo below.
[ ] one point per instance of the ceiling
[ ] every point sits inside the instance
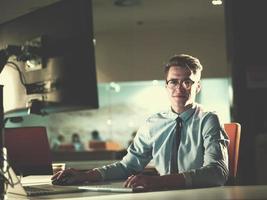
(146, 13)
(131, 35)
(9, 11)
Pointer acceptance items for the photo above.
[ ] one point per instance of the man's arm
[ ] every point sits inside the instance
(139, 154)
(214, 171)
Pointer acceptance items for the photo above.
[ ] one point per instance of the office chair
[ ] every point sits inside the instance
(233, 131)
(66, 147)
(104, 145)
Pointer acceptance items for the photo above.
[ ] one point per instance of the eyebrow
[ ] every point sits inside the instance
(181, 79)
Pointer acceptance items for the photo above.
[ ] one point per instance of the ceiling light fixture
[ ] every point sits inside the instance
(216, 2)
(125, 3)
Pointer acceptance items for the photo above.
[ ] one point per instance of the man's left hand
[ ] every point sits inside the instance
(171, 181)
(147, 182)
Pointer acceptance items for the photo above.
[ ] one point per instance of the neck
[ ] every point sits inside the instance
(179, 109)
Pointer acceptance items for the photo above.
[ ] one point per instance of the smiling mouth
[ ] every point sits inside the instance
(179, 96)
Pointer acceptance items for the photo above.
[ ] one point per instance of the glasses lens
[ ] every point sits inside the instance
(172, 83)
(186, 84)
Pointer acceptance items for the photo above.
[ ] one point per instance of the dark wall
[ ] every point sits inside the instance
(246, 36)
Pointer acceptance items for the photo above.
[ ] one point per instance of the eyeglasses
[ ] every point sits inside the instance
(187, 83)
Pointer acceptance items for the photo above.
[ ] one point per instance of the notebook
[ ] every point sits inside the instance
(37, 190)
(28, 150)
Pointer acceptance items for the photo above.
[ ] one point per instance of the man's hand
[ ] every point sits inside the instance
(73, 176)
(147, 182)
(172, 181)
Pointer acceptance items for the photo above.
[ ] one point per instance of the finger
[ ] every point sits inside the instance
(63, 178)
(65, 173)
(126, 183)
(138, 180)
(132, 181)
(62, 174)
(55, 175)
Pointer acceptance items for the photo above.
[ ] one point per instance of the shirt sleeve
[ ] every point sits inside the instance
(137, 157)
(214, 171)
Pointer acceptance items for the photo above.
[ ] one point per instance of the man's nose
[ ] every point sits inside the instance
(179, 84)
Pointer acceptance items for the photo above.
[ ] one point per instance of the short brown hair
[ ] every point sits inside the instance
(185, 61)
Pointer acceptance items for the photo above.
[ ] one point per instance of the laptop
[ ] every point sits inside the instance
(28, 150)
(49, 189)
(16, 187)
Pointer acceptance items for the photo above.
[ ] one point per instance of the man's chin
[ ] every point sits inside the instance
(180, 101)
(180, 98)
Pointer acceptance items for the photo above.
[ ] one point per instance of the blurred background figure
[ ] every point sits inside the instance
(96, 136)
(60, 139)
(78, 145)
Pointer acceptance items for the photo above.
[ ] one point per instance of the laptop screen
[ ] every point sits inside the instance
(28, 150)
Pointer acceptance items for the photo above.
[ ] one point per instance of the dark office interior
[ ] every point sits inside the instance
(126, 45)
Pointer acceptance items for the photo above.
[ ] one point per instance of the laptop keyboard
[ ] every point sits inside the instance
(48, 189)
(38, 191)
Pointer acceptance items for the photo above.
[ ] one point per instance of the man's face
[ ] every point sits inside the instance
(182, 86)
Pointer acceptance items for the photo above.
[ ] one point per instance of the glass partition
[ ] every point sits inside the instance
(124, 107)
(133, 39)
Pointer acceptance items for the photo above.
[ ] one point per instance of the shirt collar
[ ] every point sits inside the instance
(184, 115)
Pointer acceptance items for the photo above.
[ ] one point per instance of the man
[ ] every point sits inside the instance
(187, 144)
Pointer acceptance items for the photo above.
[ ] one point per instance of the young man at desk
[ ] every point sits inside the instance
(187, 144)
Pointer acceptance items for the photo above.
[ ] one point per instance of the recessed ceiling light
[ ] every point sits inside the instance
(216, 2)
(126, 2)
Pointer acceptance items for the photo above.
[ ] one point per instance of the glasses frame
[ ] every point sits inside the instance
(182, 83)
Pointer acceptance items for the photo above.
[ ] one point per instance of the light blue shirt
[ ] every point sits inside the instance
(202, 153)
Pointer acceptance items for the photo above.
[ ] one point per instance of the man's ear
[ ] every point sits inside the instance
(198, 87)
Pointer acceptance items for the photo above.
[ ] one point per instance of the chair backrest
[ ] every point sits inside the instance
(233, 131)
(66, 147)
(104, 145)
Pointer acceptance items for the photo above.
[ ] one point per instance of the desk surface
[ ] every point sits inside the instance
(223, 193)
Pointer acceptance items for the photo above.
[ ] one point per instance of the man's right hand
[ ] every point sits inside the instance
(74, 176)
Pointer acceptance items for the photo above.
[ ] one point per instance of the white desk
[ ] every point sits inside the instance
(223, 193)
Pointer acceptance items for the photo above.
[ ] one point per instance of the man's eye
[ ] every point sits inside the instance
(174, 82)
(187, 82)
